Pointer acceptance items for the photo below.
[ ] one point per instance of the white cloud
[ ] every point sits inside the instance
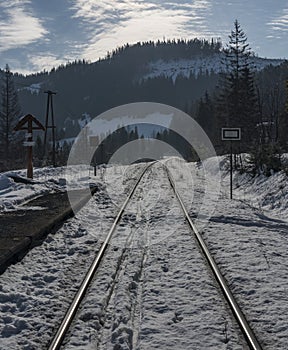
(96, 11)
(280, 23)
(89, 28)
(43, 61)
(18, 27)
(120, 22)
(6, 4)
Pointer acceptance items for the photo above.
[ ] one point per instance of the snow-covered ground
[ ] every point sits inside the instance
(47, 179)
(161, 290)
(166, 282)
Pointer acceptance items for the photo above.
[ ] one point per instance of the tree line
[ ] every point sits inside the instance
(254, 102)
(238, 97)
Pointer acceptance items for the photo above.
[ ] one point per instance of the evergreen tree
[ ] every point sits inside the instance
(9, 115)
(283, 130)
(237, 104)
(206, 118)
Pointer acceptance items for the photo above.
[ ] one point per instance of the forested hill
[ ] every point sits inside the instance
(177, 73)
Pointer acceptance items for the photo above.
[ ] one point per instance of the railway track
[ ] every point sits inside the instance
(132, 258)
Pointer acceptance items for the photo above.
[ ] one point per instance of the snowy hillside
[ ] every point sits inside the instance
(267, 195)
(198, 65)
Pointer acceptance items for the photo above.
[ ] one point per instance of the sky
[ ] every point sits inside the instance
(41, 34)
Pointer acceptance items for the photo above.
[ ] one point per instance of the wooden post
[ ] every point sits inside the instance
(231, 171)
(26, 123)
(30, 150)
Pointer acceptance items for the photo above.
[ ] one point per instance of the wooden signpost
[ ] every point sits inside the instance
(29, 123)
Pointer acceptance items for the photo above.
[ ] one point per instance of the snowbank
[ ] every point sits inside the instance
(266, 194)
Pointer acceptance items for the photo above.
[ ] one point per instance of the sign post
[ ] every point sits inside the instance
(26, 123)
(93, 142)
(231, 134)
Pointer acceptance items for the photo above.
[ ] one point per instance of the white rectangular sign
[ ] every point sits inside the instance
(231, 134)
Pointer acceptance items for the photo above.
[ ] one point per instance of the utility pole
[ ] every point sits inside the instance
(231, 134)
(231, 171)
(286, 104)
(52, 126)
(7, 113)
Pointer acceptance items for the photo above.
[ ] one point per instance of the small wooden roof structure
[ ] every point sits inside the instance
(28, 119)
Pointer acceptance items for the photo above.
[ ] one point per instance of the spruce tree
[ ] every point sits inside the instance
(237, 103)
(9, 115)
(205, 116)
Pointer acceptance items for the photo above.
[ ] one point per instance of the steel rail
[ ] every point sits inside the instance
(241, 319)
(70, 313)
